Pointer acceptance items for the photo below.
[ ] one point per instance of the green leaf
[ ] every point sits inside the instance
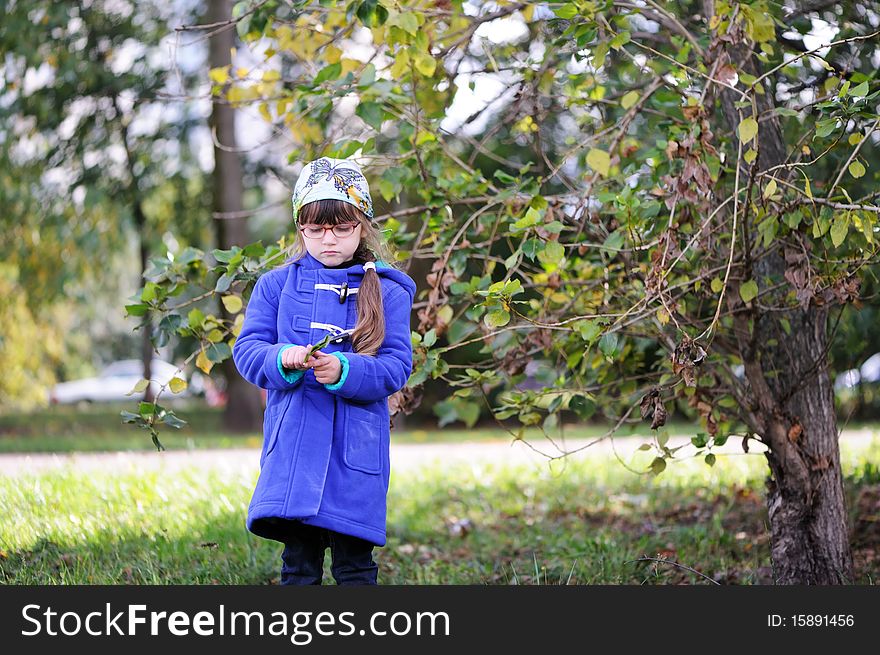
(583, 406)
(430, 338)
(149, 292)
(717, 285)
(223, 283)
(826, 127)
(658, 465)
(599, 161)
(371, 113)
(497, 318)
(861, 90)
(137, 310)
(599, 54)
(609, 345)
(589, 330)
(407, 22)
(567, 11)
(747, 129)
(748, 291)
(171, 420)
(710, 459)
(620, 40)
(130, 417)
(552, 253)
(196, 318)
(330, 72)
(839, 229)
(217, 352)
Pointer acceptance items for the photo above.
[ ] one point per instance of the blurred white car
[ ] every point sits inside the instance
(867, 373)
(119, 378)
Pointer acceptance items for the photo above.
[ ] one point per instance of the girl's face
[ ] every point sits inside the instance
(331, 246)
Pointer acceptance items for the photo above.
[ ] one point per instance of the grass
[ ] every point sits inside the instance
(584, 522)
(98, 428)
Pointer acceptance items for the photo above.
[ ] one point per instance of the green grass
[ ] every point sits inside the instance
(583, 522)
(98, 428)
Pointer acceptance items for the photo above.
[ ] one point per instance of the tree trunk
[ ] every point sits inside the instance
(243, 411)
(146, 343)
(790, 383)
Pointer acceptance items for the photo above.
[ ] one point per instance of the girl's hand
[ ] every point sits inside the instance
(327, 368)
(293, 358)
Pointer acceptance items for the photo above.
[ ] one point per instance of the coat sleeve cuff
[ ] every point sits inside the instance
(289, 375)
(343, 375)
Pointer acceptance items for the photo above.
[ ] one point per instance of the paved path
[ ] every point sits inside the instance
(403, 456)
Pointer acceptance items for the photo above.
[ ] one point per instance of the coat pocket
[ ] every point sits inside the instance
(271, 424)
(363, 440)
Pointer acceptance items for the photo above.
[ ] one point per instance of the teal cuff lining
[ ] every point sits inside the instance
(290, 376)
(344, 361)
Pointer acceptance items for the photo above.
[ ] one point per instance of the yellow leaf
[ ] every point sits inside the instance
(241, 72)
(854, 139)
(285, 37)
(219, 75)
(401, 63)
(139, 387)
(177, 384)
(236, 326)
(349, 65)
(424, 136)
(425, 63)
(750, 155)
(271, 76)
(807, 188)
(203, 362)
(663, 316)
(528, 13)
(445, 314)
(599, 161)
(856, 169)
(264, 112)
(747, 129)
(232, 304)
(332, 54)
(770, 189)
(629, 99)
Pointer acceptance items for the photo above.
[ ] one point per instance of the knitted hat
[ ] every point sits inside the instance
(336, 179)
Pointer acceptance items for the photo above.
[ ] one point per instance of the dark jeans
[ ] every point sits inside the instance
(303, 557)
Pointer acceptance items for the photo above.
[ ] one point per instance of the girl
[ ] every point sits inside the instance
(324, 468)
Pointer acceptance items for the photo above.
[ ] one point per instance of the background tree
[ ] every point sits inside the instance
(684, 207)
(91, 159)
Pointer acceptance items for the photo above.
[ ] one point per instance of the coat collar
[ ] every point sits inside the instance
(308, 262)
(338, 275)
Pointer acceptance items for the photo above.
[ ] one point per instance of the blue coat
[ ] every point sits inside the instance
(325, 456)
